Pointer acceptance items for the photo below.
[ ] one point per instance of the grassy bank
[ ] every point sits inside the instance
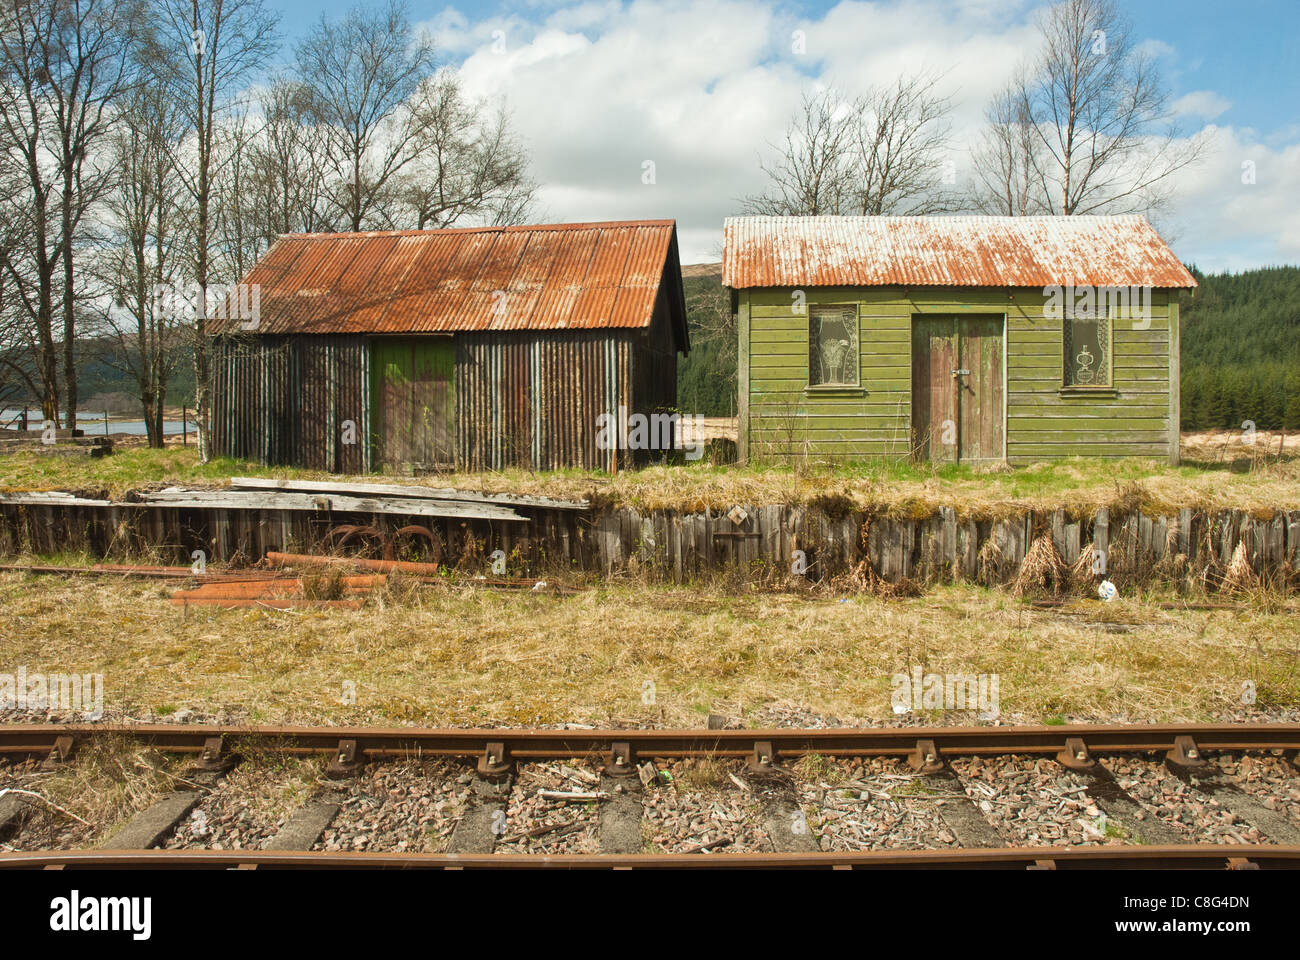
(620, 654)
(1078, 484)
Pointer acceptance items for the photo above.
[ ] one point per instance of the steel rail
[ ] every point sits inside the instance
(1189, 857)
(17, 740)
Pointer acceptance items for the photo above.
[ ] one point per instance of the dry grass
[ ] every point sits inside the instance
(106, 784)
(1263, 484)
(1042, 571)
(460, 656)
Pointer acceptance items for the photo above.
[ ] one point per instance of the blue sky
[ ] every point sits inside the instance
(657, 77)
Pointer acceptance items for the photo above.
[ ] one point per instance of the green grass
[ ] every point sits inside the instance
(1078, 484)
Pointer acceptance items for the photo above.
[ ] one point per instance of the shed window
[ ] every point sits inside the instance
(832, 347)
(1087, 351)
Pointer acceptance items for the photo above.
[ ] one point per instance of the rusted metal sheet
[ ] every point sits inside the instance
(566, 276)
(534, 400)
(947, 251)
(295, 401)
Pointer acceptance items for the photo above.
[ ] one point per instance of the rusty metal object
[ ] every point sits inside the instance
(762, 759)
(59, 752)
(494, 761)
(1185, 753)
(346, 761)
(277, 594)
(381, 566)
(148, 572)
(1189, 857)
(925, 757)
(543, 744)
(414, 531)
(621, 760)
(1075, 755)
(340, 536)
(1032, 252)
(553, 277)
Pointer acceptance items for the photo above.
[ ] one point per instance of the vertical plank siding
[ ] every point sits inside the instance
(781, 417)
(1190, 549)
(525, 399)
(283, 401)
(533, 400)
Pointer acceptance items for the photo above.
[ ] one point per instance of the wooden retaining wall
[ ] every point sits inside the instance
(679, 547)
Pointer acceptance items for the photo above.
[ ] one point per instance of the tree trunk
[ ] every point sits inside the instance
(69, 314)
(147, 405)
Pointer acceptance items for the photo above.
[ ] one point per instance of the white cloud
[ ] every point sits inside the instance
(701, 87)
(1226, 223)
(1203, 104)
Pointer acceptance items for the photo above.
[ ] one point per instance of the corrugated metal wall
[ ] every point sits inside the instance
(528, 399)
(289, 401)
(533, 399)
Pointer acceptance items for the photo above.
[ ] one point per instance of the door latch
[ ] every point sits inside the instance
(961, 373)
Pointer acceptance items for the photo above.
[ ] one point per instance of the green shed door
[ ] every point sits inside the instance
(957, 389)
(413, 399)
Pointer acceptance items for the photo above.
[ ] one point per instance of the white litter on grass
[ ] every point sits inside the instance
(1107, 591)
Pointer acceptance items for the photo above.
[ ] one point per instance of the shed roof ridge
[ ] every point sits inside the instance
(499, 228)
(949, 250)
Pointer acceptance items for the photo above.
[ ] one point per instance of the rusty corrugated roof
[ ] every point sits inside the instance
(561, 276)
(947, 251)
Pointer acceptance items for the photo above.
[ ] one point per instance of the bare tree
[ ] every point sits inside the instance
(18, 377)
(65, 63)
(1008, 157)
(469, 162)
(901, 157)
(204, 52)
(883, 152)
(812, 172)
(1108, 142)
(289, 170)
(147, 212)
(361, 75)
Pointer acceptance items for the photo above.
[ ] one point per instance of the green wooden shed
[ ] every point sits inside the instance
(955, 339)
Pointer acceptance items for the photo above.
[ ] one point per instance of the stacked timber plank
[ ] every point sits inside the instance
(441, 494)
(316, 496)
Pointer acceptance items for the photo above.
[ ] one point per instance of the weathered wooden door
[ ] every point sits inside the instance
(934, 399)
(957, 391)
(413, 399)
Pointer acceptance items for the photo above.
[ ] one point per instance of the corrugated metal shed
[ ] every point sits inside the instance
(588, 276)
(947, 251)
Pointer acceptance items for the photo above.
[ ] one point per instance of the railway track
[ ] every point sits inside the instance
(897, 797)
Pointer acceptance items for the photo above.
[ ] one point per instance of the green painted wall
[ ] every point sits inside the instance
(780, 414)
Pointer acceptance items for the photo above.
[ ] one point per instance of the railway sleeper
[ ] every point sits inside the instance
(1119, 805)
(151, 824)
(962, 817)
(784, 819)
(14, 811)
(620, 815)
(305, 828)
(1211, 781)
(484, 820)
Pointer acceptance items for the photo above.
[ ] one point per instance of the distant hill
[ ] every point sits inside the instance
(702, 270)
(706, 379)
(1241, 350)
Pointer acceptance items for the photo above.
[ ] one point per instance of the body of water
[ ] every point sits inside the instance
(92, 423)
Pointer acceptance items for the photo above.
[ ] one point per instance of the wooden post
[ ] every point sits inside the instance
(742, 379)
(105, 423)
(1175, 368)
(185, 416)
